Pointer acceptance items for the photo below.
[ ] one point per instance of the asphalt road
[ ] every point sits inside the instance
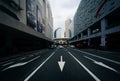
(77, 65)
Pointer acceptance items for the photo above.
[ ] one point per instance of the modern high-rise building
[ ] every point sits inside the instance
(71, 30)
(67, 25)
(97, 23)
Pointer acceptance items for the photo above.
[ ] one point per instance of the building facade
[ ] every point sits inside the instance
(97, 23)
(25, 25)
(71, 30)
(49, 21)
(67, 25)
(32, 13)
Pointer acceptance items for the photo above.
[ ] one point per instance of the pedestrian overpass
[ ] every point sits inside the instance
(61, 41)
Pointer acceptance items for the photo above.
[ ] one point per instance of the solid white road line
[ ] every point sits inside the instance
(20, 64)
(113, 61)
(94, 76)
(27, 79)
(101, 64)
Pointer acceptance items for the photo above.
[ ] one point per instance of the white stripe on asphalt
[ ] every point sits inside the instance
(20, 64)
(101, 64)
(7, 64)
(113, 61)
(94, 76)
(31, 55)
(33, 59)
(9, 60)
(23, 58)
(26, 79)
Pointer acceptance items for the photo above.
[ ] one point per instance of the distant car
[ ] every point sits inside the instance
(60, 46)
(52, 46)
(72, 46)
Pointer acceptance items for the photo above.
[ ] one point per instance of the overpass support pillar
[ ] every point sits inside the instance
(89, 42)
(89, 33)
(104, 24)
(81, 35)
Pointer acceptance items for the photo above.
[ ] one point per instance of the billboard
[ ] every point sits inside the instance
(31, 13)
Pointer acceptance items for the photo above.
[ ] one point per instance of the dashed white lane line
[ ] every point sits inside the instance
(27, 78)
(8, 63)
(20, 64)
(9, 60)
(93, 75)
(23, 58)
(101, 64)
(31, 55)
(113, 61)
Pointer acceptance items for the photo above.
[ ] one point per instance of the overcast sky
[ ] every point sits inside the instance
(62, 10)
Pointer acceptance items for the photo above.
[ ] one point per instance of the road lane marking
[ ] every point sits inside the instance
(101, 64)
(61, 63)
(37, 53)
(7, 63)
(9, 60)
(31, 55)
(27, 79)
(15, 65)
(33, 59)
(20, 64)
(93, 75)
(23, 58)
(113, 61)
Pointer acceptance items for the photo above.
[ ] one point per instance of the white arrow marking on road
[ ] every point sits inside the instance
(113, 61)
(101, 64)
(61, 63)
(20, 64)
(94, 76)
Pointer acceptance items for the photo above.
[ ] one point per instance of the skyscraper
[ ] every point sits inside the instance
(67, 25)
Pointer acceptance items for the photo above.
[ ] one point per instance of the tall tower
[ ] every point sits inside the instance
(67, 25)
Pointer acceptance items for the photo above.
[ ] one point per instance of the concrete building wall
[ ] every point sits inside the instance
(20, 13)
(16, 34)
(97, 24)
(19, 10)
(86, 12)
(49, 21)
